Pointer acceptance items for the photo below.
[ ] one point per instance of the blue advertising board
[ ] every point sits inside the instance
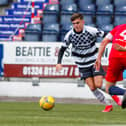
(10, 25)
(24, 5)
(19, 12)
(5, 38)
(9, 31)
(1, 60)
(43, 1)
(15, 19)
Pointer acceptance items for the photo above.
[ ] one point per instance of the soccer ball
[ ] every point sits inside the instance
(47, 102)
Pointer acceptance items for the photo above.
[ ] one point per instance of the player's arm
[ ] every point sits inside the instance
(103, 44)
(60, 56)
(119, 47)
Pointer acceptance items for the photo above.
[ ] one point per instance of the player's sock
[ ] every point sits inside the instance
(117, 100)
(114, 90)
(114, 97)
(99, 95)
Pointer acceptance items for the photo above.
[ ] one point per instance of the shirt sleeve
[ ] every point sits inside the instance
(95, 31)
(66, 41)
(109, 36)
(100, 33)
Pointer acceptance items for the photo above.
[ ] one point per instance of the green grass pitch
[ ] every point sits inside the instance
(30, 114)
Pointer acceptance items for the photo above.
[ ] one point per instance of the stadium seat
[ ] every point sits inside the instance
(106, 9)
(33, 32)
(32, 35)
(50, 13)
(4, 2)
(119, 19)
(82, 3)
(50, 32)
(65, 18)
(99, 39)
(69, 8)
(87, 9)
(51, 27)
(89, 19)
(120, 9)
(107, 28)
(64, 29)
(66, 12)
(48, 36)
(103, 2)
(119, 2)
(103, 19)
(37, 26)
(66, 2)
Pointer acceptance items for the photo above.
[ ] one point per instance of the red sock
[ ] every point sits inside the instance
(117, 99)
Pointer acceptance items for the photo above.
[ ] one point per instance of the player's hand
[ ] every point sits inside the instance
(119, 47)
(97, 64)
(58, 67)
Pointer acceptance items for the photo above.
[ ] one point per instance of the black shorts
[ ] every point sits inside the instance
(90, 72)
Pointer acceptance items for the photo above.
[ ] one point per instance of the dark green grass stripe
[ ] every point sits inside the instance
(30, 114)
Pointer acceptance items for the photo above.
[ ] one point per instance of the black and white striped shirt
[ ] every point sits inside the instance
(84, 49)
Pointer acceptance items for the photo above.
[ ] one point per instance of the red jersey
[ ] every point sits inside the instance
(118, 35)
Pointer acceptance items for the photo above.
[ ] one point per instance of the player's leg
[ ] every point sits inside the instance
(114, 74)
(98, 78)
(98, 94)
(86, 74)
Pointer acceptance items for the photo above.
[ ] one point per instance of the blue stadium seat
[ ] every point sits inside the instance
(66, 2)
(103, 2)
(119, 19)
(89, 19)
(105, 9)
(4, 2)
(99, 39)
(50, 32)
(119, 2)
(107, 28)
(64, 29)
(103, 19)
(69, 8)
(33, 32)
(82, 3)
(65, 18)
(49, 36)
(50, 13)
(37, 26)
(120, 9)
(66, 12)
(51, 27)
(87, 9)
(32, 35)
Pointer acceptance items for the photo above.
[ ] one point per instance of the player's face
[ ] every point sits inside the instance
(78, 25)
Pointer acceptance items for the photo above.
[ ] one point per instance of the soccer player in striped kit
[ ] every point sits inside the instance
(84, 51)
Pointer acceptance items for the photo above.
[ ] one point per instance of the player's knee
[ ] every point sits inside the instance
(92, 88)
(107, 89)
(98, 85)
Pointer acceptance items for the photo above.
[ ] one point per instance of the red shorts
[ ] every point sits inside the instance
(115, 69)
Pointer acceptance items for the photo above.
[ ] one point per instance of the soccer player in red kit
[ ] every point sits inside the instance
(117, 60)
